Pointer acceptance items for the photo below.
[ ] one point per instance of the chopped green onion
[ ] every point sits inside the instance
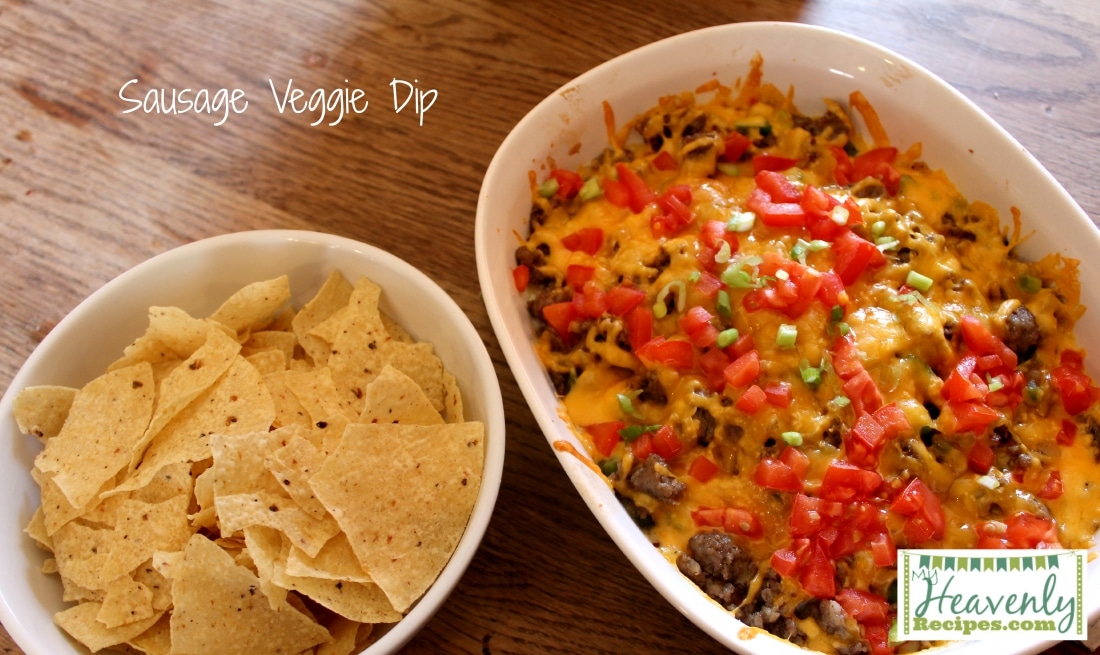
(722, 304)
(626, 404)
(740, 222)
(590, 190)
(792, 438)
(817, 245)
(810, 375)
(632, 432)
(911, 298)
(728, 168)
(838, 327)
(839, 215)
(842, 401)
(836, 314)
(886, 243)
(694, 276)
(786, 336)
(996, 384)
(726, 338)
(1029, 283)
(737, 278)
(798, 251)
(723, 254)
(782, 274)
(1033, 392)
(660, 308)
(877, 228)
(609, 466)
(548, 188)
(917, 281)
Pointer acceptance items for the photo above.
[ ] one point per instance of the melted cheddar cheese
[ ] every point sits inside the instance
(918, 380)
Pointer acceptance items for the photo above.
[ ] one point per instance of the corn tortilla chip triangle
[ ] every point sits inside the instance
(403, 495)
(80, 622)
(186, 382)
(219, 607)
(344, 632)
(394, 397)
(240, 511)
(265, 544)
(333, 295)
(254, 306)
(105, 425)
(41, 411)
(144, 529)
(293, 465)
(157, 640)
(335, 561)
(126, 601)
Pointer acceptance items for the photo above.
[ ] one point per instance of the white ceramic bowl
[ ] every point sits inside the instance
(914, 105)
(197, 277)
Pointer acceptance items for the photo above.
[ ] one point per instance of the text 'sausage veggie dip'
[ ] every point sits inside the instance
(793, 349)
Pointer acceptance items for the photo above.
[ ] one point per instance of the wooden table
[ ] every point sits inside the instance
(88, 190)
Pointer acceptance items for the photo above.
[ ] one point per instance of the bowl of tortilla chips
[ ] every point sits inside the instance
(263, 442)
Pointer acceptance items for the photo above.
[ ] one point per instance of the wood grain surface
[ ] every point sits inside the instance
(88, 191)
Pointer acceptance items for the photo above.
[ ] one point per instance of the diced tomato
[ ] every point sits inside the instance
(710, 517)
(675, 201)
(865, 441)
(1052, 488)
(845, 482)
(773, 474)
(842, 171)
(587, 239)
(639, 326)
(521, 276)
(775, 214)
(925, 513)
(808, 283)
(863, 392)
(818, 577)
(664, 161)
(973, 416)
(981, 341)
(832, 292)
(1068, 433)
(796, 459)
(785, 562)
(1074, 386)
(744, 370)
(695, 321)
(560, 316)
(777, 186)
(622, 299)
(819, 206)
(742, 346)
(846, 360)
(854, 254)
(768, 162)
(879, 164)
(892, 419)
(569, 183)
(980, 457)
(779, 394)
(807, 516)
(962, 383)
(713, 233)
(640, 194)
(883, 550)
(743, 522)
(708, 285)
(714, 361)
(666, 443)
(702, 469)
(670, 352)
(605, 436)
(865, 607)
(751, 400)
(878, 636)
(616, 192)
(1026, 530)
(735, 144)
(591, 301)
(577, 274)
(642, 447)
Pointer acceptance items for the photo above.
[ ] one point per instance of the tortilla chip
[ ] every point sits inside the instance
(264, 340)
(452, 400)
(239, 461)
(289, 410)
(157, 640)
(186, 382)
(80, 622)
(126, 601)
(266, 544)
(293, 465)
(396, 332)
(153, 580)
(333, 295)
(95, 444)
(36, 529)
(344, 632)
(144, 529)
(394, 397)
(42, 411)
(403, 495)
(335, 561)
(240, 511)
(315, 391)
(253, 307)
(268, 361)
(81, 552)
(217, 609)
(237, 403)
